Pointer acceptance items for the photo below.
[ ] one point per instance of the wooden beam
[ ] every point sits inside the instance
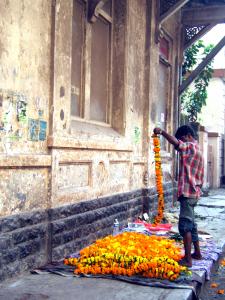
(172, 10)
(201, 66)
(203, 15)
(93, 9)
(198, 35)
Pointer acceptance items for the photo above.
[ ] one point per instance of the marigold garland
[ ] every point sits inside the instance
(130, 254)
(159, 179)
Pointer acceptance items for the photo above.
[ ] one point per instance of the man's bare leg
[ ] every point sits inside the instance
(187, 260)
(197, 252)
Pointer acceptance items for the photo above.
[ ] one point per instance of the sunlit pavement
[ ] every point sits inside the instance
(213, 209)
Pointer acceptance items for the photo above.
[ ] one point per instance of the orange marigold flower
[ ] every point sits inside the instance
(222, 262)
(214, 285)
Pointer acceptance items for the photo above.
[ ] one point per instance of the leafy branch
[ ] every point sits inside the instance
(194, 98)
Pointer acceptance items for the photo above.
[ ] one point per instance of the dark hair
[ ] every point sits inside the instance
(184, 130)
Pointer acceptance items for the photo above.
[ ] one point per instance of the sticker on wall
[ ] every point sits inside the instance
(137, 135)
(13, 113)
(21, 196)
(16, 135)
(8, 114)
(14, 123)
(37, 130)
(42, 130)
(33, 130)
(21, 108)
(40, 113)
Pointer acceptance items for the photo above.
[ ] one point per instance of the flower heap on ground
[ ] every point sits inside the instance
(130, 254)
(159, 179)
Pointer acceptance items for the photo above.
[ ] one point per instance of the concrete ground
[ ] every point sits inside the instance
(216, 282)
(210, 217)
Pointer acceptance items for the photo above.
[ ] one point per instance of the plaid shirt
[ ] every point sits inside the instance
(191, 170)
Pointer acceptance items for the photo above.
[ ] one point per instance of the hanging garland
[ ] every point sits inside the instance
(159, 179)
(130, 254)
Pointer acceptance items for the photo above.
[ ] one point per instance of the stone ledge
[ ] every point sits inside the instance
(14, 222)
(81, 207)
(72, 143)
(25, 160)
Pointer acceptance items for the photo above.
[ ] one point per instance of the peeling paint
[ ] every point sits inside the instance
(26, 189)
(21, 196)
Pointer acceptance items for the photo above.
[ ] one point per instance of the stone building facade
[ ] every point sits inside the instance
(81, 88)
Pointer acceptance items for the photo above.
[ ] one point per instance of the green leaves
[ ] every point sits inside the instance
(194, 98)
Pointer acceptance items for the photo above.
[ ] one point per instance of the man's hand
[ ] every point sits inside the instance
(171, 139)
(157, 130)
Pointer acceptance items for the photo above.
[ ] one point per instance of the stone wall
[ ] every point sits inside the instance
(31, 240)
(77, 225)
(23, 243)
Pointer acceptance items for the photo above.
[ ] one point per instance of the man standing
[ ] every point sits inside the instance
(189, 187)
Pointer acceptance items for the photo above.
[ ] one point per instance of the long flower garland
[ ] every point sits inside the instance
(130, 254)
(159, 179)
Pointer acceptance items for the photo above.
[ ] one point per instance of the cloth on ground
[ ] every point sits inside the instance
(67, 271)
(210, 253)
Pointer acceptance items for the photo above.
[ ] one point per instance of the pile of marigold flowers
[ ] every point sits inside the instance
(158, 179)
(130, 254)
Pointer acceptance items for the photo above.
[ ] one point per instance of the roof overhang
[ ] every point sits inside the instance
(203, 15)
(198, 17)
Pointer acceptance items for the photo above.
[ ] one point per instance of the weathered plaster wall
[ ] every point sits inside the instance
(136, 96)
(213, 116)
(80, 160)
(28, 189)
(203, 142)
(106, 160)
(25, 47)
(87, 174)
(214, 140)
(62, 36)
(24, 75)
(132, 155)
(171, 30)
